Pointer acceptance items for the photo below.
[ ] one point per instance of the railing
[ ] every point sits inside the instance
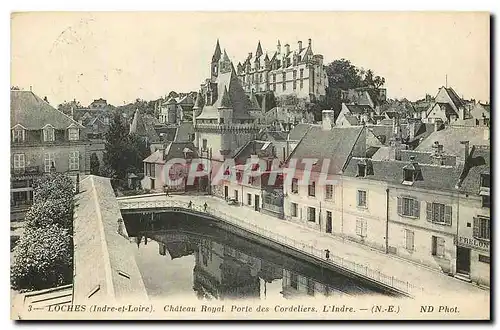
(360, 270)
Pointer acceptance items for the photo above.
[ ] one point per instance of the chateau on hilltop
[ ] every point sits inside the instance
(224, 116)
(284, 72)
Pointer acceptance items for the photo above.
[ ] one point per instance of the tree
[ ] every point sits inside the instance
(43, 258)
(66, 107)
(53, 186)
(372, 81)
(14, 88)
(172, 94)
(94, 164)
(53, 211)
(123, 152)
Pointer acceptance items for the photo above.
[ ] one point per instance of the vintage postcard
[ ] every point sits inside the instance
(250, 165)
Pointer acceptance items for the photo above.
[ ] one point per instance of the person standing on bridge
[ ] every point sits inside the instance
(205, 206)
(327, 254)
(190, 205)
(166, 191)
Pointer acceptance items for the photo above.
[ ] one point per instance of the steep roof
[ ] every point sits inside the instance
(143, 128)
(477, 164)
(359, 108)
(184, 132)
(217, 52)
(335, 144)
(450, 138)
(434, 177)
(33, 113)
(298, 131)
(239, 101)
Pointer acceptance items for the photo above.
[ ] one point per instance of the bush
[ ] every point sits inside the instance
(53, 186)
(43, 259)
(53, 211)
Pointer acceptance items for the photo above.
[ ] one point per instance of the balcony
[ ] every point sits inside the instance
(28, 170)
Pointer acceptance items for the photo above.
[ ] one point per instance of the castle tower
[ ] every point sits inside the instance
(171, 111)
(215, 62)
(225, 108)
(225, 64)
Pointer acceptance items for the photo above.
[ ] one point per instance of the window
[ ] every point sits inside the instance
(249, 199)
(409, 240)
(19, 161)
(481, 228)
(204, 144)
(361, 227)
(439, 213)
(485, 201)
(294, 79)
(361, 170)
(221, 120)
(409, 207)
(301, 78)
(295, 185)
(311, 191)
(311, 214)
(485, 259)
(294, 281)
(18, 135)
(310, 287)
(329, 191)
(48, 134)
(73, 134)
(284, 80)
(437, 246)
(408, 175)
(361, 198)
(74, 160)
(48, 161)
(274, 77)
(294, 209)
(236, 195)
(485, 180)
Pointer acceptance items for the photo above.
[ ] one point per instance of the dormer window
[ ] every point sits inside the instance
(48, 134)
(485, 181)
(412, 172)
(73, 134)
(361, 170)
(18, 135)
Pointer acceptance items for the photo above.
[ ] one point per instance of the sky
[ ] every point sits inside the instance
(121, 56)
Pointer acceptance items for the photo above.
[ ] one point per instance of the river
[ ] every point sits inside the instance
(193, 257)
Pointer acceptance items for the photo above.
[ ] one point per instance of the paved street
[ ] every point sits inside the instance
(430, 280)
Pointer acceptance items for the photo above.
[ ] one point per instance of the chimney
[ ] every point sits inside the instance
(250, 55)
(309, 42)
(328, 120)
(300, 46)
(466, 149)
(31, 88)
(278, 47)
(287, 48)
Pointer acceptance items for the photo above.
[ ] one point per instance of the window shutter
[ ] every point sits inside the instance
(400, 205)
(359, 198)
(364, 227)
(475, 228)
(416, 208)
(447, 214)
(434, 245)
(429, 211)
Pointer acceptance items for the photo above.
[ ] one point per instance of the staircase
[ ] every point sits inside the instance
(463, 277)
(41, 300)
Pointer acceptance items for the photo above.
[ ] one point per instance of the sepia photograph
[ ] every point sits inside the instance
(250, 165)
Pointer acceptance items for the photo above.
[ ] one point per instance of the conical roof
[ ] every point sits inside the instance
(217, 52)
(199, 101)
(226, 101)
(259, 50)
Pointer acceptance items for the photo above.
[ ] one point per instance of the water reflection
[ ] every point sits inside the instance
(211, 263)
